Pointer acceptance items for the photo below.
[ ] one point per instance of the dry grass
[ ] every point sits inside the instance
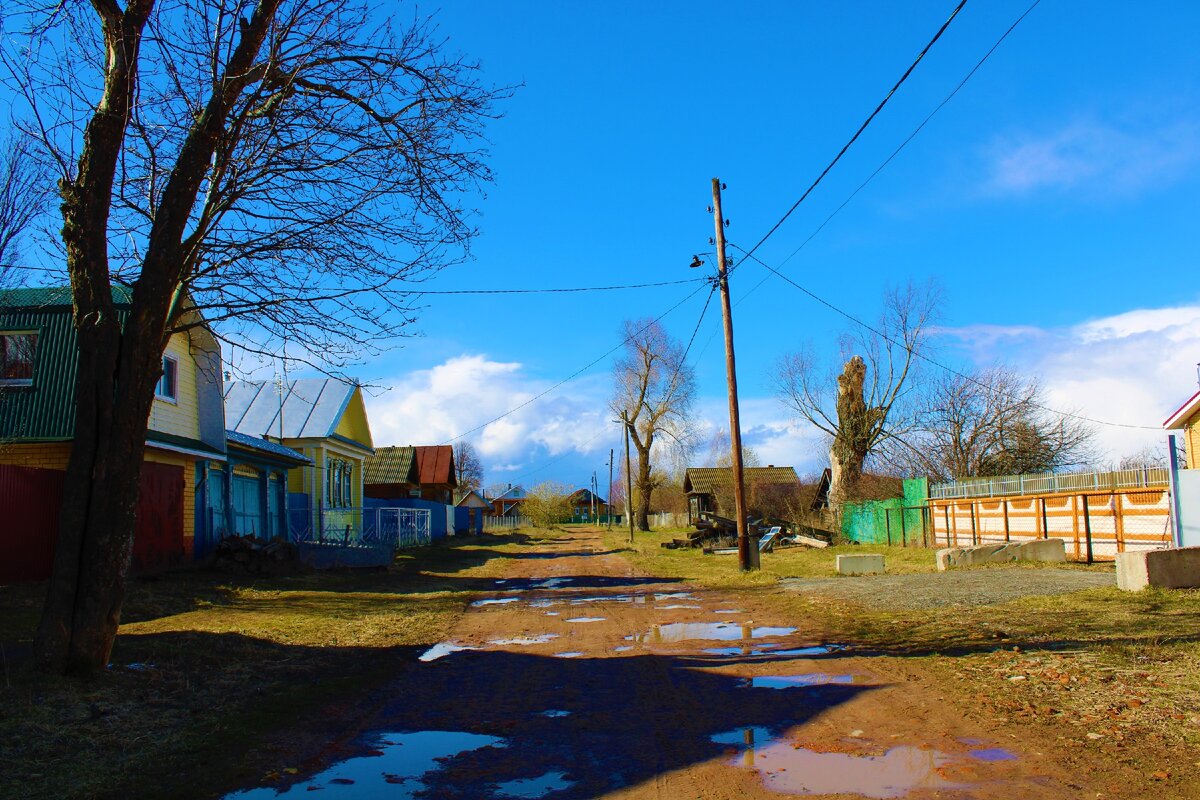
(206, 664)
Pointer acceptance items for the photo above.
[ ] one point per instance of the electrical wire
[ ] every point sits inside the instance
(861, 127)
(560, 290)
(932, 361)
(575, 374)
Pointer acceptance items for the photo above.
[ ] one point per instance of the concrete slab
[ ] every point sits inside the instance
(1033, 550)
(1176, 568)
(860, 564)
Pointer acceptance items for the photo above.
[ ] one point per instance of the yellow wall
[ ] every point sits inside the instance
(353, 424)
(180, 417)
(50, 455)
(1191, 439)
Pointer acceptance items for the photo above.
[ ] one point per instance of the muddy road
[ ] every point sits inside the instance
(577, 677)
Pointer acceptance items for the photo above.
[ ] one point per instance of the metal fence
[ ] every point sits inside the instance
(1052, 483)
(397, 528)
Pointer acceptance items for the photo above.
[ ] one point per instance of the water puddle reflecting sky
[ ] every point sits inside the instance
(586, 619)
(442, 649)
(719, 631)
(541, 638)
(535, 787)
(396, 769)
(787, 769)
(794, 681)
(495, 601)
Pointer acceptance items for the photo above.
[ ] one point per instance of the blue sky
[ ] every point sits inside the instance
(1054, 200)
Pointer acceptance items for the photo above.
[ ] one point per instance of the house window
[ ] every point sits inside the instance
(17, 349)
(167, 384)
(338, 487)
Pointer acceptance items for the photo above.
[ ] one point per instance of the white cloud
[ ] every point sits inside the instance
(1099, 158)
(432, 406)
(1132, 368)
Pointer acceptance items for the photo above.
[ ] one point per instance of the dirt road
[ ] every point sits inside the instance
(578, 678)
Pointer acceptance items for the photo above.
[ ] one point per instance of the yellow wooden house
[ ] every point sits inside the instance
(1187, 420)
(326, 421)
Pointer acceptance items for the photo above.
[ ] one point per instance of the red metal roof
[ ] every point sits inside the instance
(435, 464)
(1181, 416)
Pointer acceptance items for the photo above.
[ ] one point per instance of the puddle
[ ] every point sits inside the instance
(992, 754)
(607, 598)
(720, 631)
(569, 654)
(442, 649)
(622, 648)
(586, 619)
(543, 602)
(787, 769)
(660, 596)
(727, 611)
(550, 583)
(554, 712)
(535, 787)
(495, 601)
(551, 613)
(399, 763)
(669, 608)
(819, 650)
(794, 681)
(541, 638)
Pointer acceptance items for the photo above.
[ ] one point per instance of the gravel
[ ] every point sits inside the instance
(972, 587)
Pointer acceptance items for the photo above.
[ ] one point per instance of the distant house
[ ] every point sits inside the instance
(706, 486)
(325, 421)
(507, 503)
(582, 504)
(425, 472)
(471, 499)
(38, 358)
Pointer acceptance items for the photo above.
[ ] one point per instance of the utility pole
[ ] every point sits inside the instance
(746, 558)
(592, 492)
(628, 477)
(609, 501)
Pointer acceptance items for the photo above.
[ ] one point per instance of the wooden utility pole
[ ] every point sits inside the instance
(609, 501)
(628, 477)
(735, 425)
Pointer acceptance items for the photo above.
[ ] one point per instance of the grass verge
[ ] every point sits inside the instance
(207, 665)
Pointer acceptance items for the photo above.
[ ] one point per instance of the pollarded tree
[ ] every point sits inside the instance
(282, 166)
(655, 388)
(869, 403)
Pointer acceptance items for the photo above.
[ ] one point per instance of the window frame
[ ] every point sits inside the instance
(35, 334)
(158, 394)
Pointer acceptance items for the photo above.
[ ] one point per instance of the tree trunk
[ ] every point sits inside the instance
(645, 486)
(855, 422)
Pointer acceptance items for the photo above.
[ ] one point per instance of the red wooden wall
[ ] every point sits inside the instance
(29, 501)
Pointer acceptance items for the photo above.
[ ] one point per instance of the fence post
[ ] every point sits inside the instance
(887, 524)
(1006, 527)
(1119, 521)
(903, 532)
(974, 528)
(1045, 521)
(1087, 528)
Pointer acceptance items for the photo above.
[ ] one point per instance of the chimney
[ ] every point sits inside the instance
(770, 466)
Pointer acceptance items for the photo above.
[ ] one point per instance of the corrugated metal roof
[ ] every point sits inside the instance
(312, 407)
(706, 480)
(266, 446)
(41, 297)
(45, 409)
(435, 464)
(391, 465)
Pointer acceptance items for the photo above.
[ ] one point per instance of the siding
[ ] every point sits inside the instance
(52, 455)
(181, 417)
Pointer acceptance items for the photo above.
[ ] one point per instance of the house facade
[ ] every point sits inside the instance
(38, 360)
(710, 489)
(325, 421)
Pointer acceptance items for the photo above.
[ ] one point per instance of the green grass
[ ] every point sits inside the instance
(206, 664)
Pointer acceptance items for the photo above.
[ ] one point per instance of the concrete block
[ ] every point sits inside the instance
(1176, 568)
(864, 564)
(1032, 550)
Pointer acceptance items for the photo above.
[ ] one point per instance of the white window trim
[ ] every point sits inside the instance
(21, 381)
(164, 397)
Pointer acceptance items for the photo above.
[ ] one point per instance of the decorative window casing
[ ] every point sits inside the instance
(17, 352)
(339, 483)
(168, 382)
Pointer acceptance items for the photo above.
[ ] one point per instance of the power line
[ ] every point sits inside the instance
(861, 127)
(671, 388)
(932, 361)
(577, 373)
(560, 290)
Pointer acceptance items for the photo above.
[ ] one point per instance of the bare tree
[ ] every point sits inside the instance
(869, 403)
(992, 422)
(655, 388)
(281, 166)
(24, 190)
(548, 504)
(468, 467)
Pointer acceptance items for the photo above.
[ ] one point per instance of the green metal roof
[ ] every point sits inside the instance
(47, 297)
(391, 465)
(706, 480)
(45, 409)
